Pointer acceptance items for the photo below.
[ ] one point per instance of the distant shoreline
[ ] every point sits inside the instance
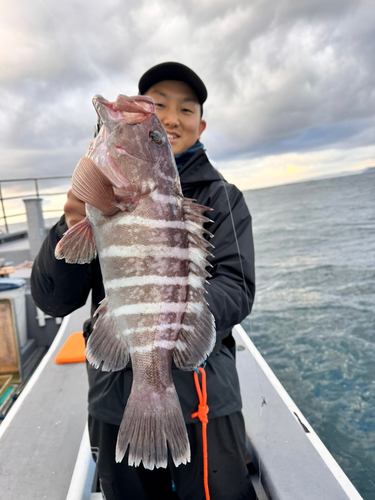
(368, 170)
(52, 220)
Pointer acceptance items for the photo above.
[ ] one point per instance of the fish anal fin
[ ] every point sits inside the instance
(197, 336)
(93, 187)
(106, 344)
(77, 246)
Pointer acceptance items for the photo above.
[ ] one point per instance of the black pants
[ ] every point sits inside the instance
(228, 476)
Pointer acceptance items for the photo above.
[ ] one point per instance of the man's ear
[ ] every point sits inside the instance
(202, 127)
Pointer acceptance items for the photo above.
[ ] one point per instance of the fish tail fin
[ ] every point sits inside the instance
(150, 421)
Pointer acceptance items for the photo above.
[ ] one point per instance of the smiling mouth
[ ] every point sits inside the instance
(172, 137)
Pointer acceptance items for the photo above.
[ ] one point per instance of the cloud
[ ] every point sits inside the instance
(299, 87)
(283, 77)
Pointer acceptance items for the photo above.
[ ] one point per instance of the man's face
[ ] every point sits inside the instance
(179, 111)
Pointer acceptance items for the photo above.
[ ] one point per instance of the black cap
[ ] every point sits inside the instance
(173, 71)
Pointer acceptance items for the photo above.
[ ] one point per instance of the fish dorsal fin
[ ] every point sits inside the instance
(197, 336)
(93, 187)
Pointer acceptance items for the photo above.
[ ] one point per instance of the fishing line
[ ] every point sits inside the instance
(249, 307)
(94, 65)
(47, 9)
(100, 71)
(264, 402)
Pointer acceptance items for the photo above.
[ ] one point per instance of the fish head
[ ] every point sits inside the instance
(136, 144)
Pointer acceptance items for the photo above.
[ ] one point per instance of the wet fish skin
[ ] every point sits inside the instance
(153, 257)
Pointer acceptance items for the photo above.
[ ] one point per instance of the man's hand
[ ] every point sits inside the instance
(74, 209)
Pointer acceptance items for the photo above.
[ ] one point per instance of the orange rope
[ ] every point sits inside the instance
(202, 415)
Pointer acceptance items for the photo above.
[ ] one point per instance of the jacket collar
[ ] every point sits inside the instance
(198, 169)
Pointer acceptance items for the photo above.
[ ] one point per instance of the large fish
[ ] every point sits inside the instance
(152, 255)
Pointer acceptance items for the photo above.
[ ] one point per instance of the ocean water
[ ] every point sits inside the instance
(314, 314)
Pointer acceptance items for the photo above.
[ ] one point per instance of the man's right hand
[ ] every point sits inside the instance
(74, 209)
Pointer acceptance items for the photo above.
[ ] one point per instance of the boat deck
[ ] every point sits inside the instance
(291, 460)
(41, 435)
(44, 447)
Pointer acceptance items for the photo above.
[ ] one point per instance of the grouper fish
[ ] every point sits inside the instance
(152, 252)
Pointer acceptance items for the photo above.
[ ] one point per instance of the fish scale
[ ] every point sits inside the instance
(152, 251)
(157, 294)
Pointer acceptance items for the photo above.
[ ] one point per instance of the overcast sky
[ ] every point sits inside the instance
(291, 83)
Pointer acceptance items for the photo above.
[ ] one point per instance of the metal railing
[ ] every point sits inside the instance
(37, 193)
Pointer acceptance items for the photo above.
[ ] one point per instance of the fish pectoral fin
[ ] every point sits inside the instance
(77, 246)
(90, 185)
(106, 344)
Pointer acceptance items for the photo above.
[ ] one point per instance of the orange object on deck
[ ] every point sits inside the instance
(73, 351)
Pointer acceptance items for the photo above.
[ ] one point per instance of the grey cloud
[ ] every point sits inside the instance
(282, 76)
(291, 88)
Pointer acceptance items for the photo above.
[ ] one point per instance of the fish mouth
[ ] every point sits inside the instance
(132, 110)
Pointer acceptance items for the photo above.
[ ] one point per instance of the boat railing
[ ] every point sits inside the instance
(37, 192)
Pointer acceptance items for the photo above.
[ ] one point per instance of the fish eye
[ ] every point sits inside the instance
(156, 137)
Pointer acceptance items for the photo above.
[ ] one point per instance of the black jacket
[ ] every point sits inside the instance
(59, 288)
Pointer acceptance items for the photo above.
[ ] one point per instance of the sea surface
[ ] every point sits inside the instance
(314, 314)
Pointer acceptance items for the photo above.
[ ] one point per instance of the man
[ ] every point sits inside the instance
(58, 288)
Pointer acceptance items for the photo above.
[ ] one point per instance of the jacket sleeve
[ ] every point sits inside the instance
(58, 288)
(231, 289)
